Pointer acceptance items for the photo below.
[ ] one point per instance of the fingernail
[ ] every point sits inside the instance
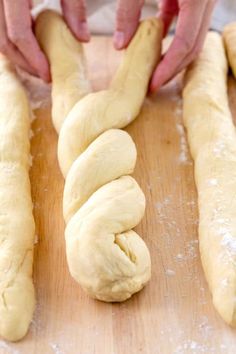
(119, 39)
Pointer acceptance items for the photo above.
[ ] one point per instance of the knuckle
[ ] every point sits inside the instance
(15, 36)
(18, 36)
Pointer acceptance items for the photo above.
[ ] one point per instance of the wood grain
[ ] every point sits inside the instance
(174, 313)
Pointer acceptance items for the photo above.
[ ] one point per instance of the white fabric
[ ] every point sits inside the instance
(101, 13)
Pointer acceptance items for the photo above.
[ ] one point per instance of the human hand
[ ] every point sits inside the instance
(191, 28)
(17, 40)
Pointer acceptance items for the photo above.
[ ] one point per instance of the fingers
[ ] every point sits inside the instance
(127, 19)
(7, 48)
(189, 25)
(74, 12)
(22, 47)
(168, 9)
(201, 36)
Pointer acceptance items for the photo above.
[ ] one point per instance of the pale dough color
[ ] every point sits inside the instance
(101, 202)
(212, 139)
(67, 67)
(17, 298)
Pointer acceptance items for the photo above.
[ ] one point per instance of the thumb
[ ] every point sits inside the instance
(127, 19)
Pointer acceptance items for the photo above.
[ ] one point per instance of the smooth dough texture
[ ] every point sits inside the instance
(17, 300)
(66, 58)
(229, 35)
(212, 139)
(101, 202)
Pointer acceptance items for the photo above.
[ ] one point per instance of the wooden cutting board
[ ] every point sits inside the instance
(174, 313)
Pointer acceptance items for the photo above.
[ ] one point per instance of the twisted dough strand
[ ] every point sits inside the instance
(101, 202)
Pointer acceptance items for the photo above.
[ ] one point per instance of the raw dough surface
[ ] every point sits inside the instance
(17, 298)
(65, 55)
(101, 202)
(212, 139)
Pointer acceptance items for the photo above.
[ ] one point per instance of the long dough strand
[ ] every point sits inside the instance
(17, 298)
(229, 35)
(212, 139)
(101, 202)
(67, 65)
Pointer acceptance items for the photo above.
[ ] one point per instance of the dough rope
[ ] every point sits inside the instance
(212, 139)
(229, 35)
(101, 202)
(17, 229)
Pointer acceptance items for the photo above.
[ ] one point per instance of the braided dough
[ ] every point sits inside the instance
(229, 35)
(101, 202)
(17, 299)
(212, 139)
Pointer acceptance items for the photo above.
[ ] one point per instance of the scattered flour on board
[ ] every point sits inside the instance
(184, 156)
(36, 239)
(193, 347)
(170, 272)
(31, 160)
(56, 349)
(184, 152)
(7, 348)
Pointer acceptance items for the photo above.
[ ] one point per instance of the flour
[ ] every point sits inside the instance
(230, 242)
(184, 153)
(36, 239)
(179, 257)
(192, 249)
(38, 92)
(30, 160)
(8, 348)
(169, 272)
(212, 182)
(191, 346)
(224, 282)
(55, 348)
(31, 134)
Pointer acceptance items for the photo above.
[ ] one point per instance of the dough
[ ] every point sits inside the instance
(212, 139)
(66, 58)
(101, 202)
(229, 35)
(17, 299)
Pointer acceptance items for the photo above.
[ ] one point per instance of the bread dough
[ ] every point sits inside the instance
(17, 298)
(101, 202)
(229, 35)
(212, 139)
(66, 58)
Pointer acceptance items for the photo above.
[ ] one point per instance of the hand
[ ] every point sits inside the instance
(17, 40)
(191, 28)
